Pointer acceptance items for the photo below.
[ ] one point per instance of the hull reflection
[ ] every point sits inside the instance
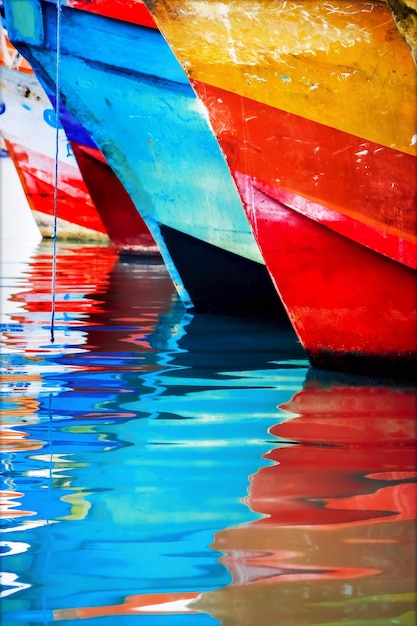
(160, 463)
(338, 539)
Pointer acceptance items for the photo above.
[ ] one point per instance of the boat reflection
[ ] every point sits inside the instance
(82, 277)
(126, 357)
(333, 531)
(46, 385)
(338, 537)
(168, 464)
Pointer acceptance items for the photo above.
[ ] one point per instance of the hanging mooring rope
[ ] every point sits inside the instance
(57, 100)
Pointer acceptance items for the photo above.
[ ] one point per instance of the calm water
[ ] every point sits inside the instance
(161, 469)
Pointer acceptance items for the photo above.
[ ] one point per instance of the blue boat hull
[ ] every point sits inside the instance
(125, 87)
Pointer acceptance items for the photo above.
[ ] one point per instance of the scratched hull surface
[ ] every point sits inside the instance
(154, 462)
(27, 123)
(317, 123)
(129, 92)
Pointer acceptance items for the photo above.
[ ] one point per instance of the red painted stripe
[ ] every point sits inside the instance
(94, 153)
(133, 11)
(371, 184)
(400, 250)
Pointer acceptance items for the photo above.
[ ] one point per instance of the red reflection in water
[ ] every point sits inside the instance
(337, 539)
(123, 300)
(80, 273)
(337, 542)
(355, 446)
(99, 300)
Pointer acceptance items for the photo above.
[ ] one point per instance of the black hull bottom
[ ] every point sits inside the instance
(392, 367)
(220, 282)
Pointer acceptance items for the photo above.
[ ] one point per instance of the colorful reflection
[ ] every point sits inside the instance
(163, 468)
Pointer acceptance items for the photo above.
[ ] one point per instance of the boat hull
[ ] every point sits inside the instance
(221, 282)
(354, 309)
(129, 92)
(317, 123)
(27, 123)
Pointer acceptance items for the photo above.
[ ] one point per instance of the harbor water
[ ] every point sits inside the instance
(161, 468)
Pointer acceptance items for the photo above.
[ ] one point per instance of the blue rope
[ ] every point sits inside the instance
(57, 99)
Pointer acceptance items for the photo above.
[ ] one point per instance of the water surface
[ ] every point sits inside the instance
(160, 468)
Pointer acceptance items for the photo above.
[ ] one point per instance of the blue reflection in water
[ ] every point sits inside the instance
(146, 453)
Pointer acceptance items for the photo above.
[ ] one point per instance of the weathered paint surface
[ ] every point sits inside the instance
(295, 111)
(340, 64)
(130, 93)
(315, 107)
(27, 123)
(333, 177)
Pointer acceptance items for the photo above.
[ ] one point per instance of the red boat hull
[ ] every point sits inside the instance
(77, 215)
(125, 227)
(351, 307)
(337, 236)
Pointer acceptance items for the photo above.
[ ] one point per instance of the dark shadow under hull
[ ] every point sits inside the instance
(220, 282)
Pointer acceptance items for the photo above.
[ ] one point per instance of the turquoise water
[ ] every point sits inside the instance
(160, 468)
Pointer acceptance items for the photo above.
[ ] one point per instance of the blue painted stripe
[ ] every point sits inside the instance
(133, 48)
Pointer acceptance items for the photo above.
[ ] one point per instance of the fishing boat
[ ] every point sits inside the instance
(27, 124)
(126, 88)
(92, 203)
(314, 105)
